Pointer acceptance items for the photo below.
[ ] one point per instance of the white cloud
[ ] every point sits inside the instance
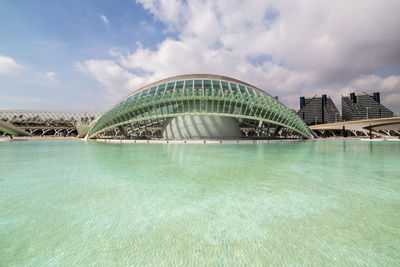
(9, 66)
(105, 20)
(333, 40)
(169, 10)
(306, 47)
(389, 88)
(377, 83)
(50, 76)
(338, 40)
(119, 81)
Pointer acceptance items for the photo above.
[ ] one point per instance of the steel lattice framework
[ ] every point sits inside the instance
(49, 117)
(199, 94)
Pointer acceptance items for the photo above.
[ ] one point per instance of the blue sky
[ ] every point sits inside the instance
(52, 36)
(88, 54)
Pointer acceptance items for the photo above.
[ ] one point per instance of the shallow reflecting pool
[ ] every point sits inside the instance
(66, 203)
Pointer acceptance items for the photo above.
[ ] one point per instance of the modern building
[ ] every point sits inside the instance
(48, 122)
(10, 129)
(317, 110)
(364, 106)
(198, 106)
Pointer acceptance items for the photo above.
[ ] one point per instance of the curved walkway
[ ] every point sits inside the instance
(364, 126)
(8, 128)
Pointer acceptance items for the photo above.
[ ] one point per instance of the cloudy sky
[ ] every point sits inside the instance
(88, 54)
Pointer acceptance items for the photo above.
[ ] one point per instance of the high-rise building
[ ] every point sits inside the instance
(317, 110)
(364, 106)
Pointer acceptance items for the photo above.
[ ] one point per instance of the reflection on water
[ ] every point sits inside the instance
(308, 203)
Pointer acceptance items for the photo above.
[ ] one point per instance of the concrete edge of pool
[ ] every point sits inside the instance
(231, 141)
(193, 141)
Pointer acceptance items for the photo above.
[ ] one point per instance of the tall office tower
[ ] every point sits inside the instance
(364, 106)
(317, 110)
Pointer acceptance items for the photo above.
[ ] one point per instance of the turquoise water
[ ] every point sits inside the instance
(310, 203)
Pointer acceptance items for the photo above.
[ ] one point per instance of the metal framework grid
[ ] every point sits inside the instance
(206, 95)
(49, 117)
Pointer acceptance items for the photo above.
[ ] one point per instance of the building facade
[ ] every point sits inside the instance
(198, 106)
(317, 110)
(364, 106)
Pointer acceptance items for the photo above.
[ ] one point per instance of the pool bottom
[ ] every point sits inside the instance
(298, 203)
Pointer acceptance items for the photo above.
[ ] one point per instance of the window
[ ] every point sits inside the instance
(251, 91)
(189, 84)
(170, 87)
(207, 84)
(161, 88)
(234, 87)
(216, 85)
(225, 87)
(198, 84)
(179, 85)
(145, 92)
(243, 90)
(152, 90)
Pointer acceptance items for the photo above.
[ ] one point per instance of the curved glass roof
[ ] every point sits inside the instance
(199, 94)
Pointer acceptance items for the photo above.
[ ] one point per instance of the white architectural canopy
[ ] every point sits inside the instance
(381, 126)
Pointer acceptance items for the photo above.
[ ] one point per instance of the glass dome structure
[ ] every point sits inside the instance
(196, 95)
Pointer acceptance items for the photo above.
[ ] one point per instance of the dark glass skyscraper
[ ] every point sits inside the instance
(364, 106)
(317, 110)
